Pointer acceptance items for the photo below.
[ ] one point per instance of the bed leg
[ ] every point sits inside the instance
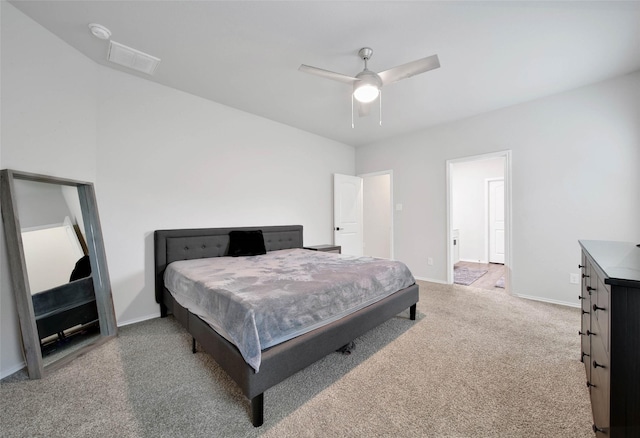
(412, 312)
(257, 410)
(193, 346)
(163, 311)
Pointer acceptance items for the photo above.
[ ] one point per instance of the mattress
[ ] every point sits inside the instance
(257, 302)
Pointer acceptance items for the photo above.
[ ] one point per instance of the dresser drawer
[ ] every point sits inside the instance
(585, 300)
(600, 308)
(589, 284)
(600, 391)
(585, 344)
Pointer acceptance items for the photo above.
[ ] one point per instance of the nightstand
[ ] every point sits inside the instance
(325, 248)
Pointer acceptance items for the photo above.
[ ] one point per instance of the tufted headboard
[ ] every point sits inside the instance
(186, 244)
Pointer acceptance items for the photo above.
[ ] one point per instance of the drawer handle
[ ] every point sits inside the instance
(597, 429)
(585, 276)
(596, 365)
(580, 266)
(596, 308)
(584, 311)
(580, 333)
(589, 288)
(583, 355)
(580, 297)
(590, 385)
(590, 333)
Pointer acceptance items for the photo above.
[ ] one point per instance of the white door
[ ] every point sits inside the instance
(496, 221)
(347, 213)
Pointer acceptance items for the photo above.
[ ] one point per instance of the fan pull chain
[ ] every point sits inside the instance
(380, 99)
(352, 125)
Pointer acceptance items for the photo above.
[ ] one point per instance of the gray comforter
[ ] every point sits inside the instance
(260, 301)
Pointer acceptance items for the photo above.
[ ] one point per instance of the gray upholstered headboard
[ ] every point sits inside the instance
(186, 244)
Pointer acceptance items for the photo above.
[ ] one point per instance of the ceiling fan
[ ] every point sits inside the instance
(367, 84)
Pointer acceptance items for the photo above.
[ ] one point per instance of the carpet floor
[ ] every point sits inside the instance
(474, 364)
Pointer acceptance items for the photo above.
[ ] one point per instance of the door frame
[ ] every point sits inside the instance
(390, 173)
(508, 226)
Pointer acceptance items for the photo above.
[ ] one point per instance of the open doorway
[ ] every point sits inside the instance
(478, 221)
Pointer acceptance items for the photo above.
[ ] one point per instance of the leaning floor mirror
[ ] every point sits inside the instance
(58, 268)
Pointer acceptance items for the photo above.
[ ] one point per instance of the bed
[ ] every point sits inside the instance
(284, 359)
(65, 306)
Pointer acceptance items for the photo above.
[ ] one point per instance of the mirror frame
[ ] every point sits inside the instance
(20, 280)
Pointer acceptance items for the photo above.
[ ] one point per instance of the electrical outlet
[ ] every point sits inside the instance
(574, 278)
(430, 261)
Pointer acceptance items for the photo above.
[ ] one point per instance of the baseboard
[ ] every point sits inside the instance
(473, 261)
(137, 320)
(12, 370)
(547, 300)
(430, 280)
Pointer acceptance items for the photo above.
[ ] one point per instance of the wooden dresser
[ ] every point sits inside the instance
(610, 335)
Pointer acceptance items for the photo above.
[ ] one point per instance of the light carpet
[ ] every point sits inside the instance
(474, 364)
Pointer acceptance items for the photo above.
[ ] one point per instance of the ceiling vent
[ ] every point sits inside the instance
(132, 58)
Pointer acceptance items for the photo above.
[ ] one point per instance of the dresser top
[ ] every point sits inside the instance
(620, 261)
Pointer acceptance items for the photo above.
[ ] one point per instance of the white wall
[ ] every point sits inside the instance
(575, 176)
(159, 159)
(168, 159)
(469, 205)
(48, 126)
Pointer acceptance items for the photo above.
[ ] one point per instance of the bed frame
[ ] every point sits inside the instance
(65, 306)
(282, 360)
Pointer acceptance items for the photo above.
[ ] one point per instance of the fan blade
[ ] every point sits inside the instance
(327, 74)
(364, 108)
(409, 69)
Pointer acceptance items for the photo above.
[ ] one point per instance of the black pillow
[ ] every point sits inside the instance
(246, 243)
(82, 269)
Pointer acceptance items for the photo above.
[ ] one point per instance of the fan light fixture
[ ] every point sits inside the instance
(366, 93)
(367, 85)
(367, 88)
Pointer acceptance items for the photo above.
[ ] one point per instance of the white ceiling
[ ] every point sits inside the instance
(246, 54)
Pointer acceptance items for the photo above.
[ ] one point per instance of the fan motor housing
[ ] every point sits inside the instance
(368, 77)
(365, 53)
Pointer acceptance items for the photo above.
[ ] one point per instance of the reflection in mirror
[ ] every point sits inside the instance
(58, 267)
(55, 254)
(51, 233)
